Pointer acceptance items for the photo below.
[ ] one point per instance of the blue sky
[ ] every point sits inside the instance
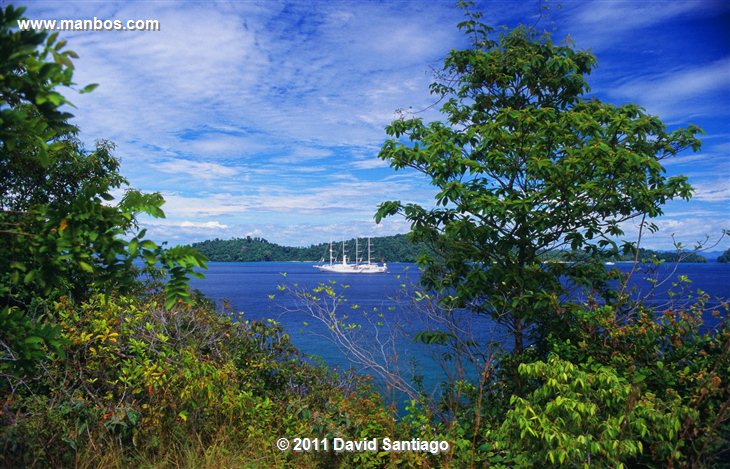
(265, 118)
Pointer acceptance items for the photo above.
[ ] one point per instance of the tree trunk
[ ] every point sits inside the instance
(518, 335)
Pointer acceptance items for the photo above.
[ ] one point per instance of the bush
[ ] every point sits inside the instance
(144, 382)
(649, 389)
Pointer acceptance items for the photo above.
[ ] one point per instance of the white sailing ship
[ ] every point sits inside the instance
(357, 267)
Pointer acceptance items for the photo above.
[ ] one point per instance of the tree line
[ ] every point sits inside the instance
(396, 248)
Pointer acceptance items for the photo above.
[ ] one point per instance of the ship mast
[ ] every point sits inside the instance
(368, 250)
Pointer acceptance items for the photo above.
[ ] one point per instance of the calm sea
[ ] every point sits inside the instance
(251, 288)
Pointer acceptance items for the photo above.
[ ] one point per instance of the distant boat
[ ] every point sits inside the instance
(609, 263)
(355, 268)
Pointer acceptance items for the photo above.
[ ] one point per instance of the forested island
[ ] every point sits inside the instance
(397, 248)
(388, 248)
(724, 257)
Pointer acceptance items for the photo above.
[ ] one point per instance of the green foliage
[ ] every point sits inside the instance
(59, 231)
(149, 384)
(32, 65)
(638, 391)
(527, 163)
(586, 416)
(674, 359)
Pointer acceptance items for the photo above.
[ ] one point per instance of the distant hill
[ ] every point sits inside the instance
(389, 248)
(667, 256)
(724, 257)
(711, 255)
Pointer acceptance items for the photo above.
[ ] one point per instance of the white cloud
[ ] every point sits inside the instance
(197, 169)
(370, 164)
(600, 24)
(206, 225)
(676, 92)
(689, 230)
(222, 145)
(618, 15)
(720, 191)
(346, 203)
(305, 234)
(303, 155)
(186, 231)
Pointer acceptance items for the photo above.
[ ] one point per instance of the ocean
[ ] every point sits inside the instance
(252, 288)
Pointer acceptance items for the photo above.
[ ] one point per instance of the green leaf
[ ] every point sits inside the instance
(28, 278)
(147, 244)
(89, 88)
(133, 247)
(33, 340)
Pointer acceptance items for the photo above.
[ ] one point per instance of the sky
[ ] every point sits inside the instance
(265, 118)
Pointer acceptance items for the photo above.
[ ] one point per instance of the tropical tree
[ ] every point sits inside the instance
(60, 232)
(527, 162)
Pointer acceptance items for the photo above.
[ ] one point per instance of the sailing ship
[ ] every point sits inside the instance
(357, 267)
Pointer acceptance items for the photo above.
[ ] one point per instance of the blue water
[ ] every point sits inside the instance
(248, 287)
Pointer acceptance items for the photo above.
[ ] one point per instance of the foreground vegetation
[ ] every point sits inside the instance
(142, 385)
(102, 365)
